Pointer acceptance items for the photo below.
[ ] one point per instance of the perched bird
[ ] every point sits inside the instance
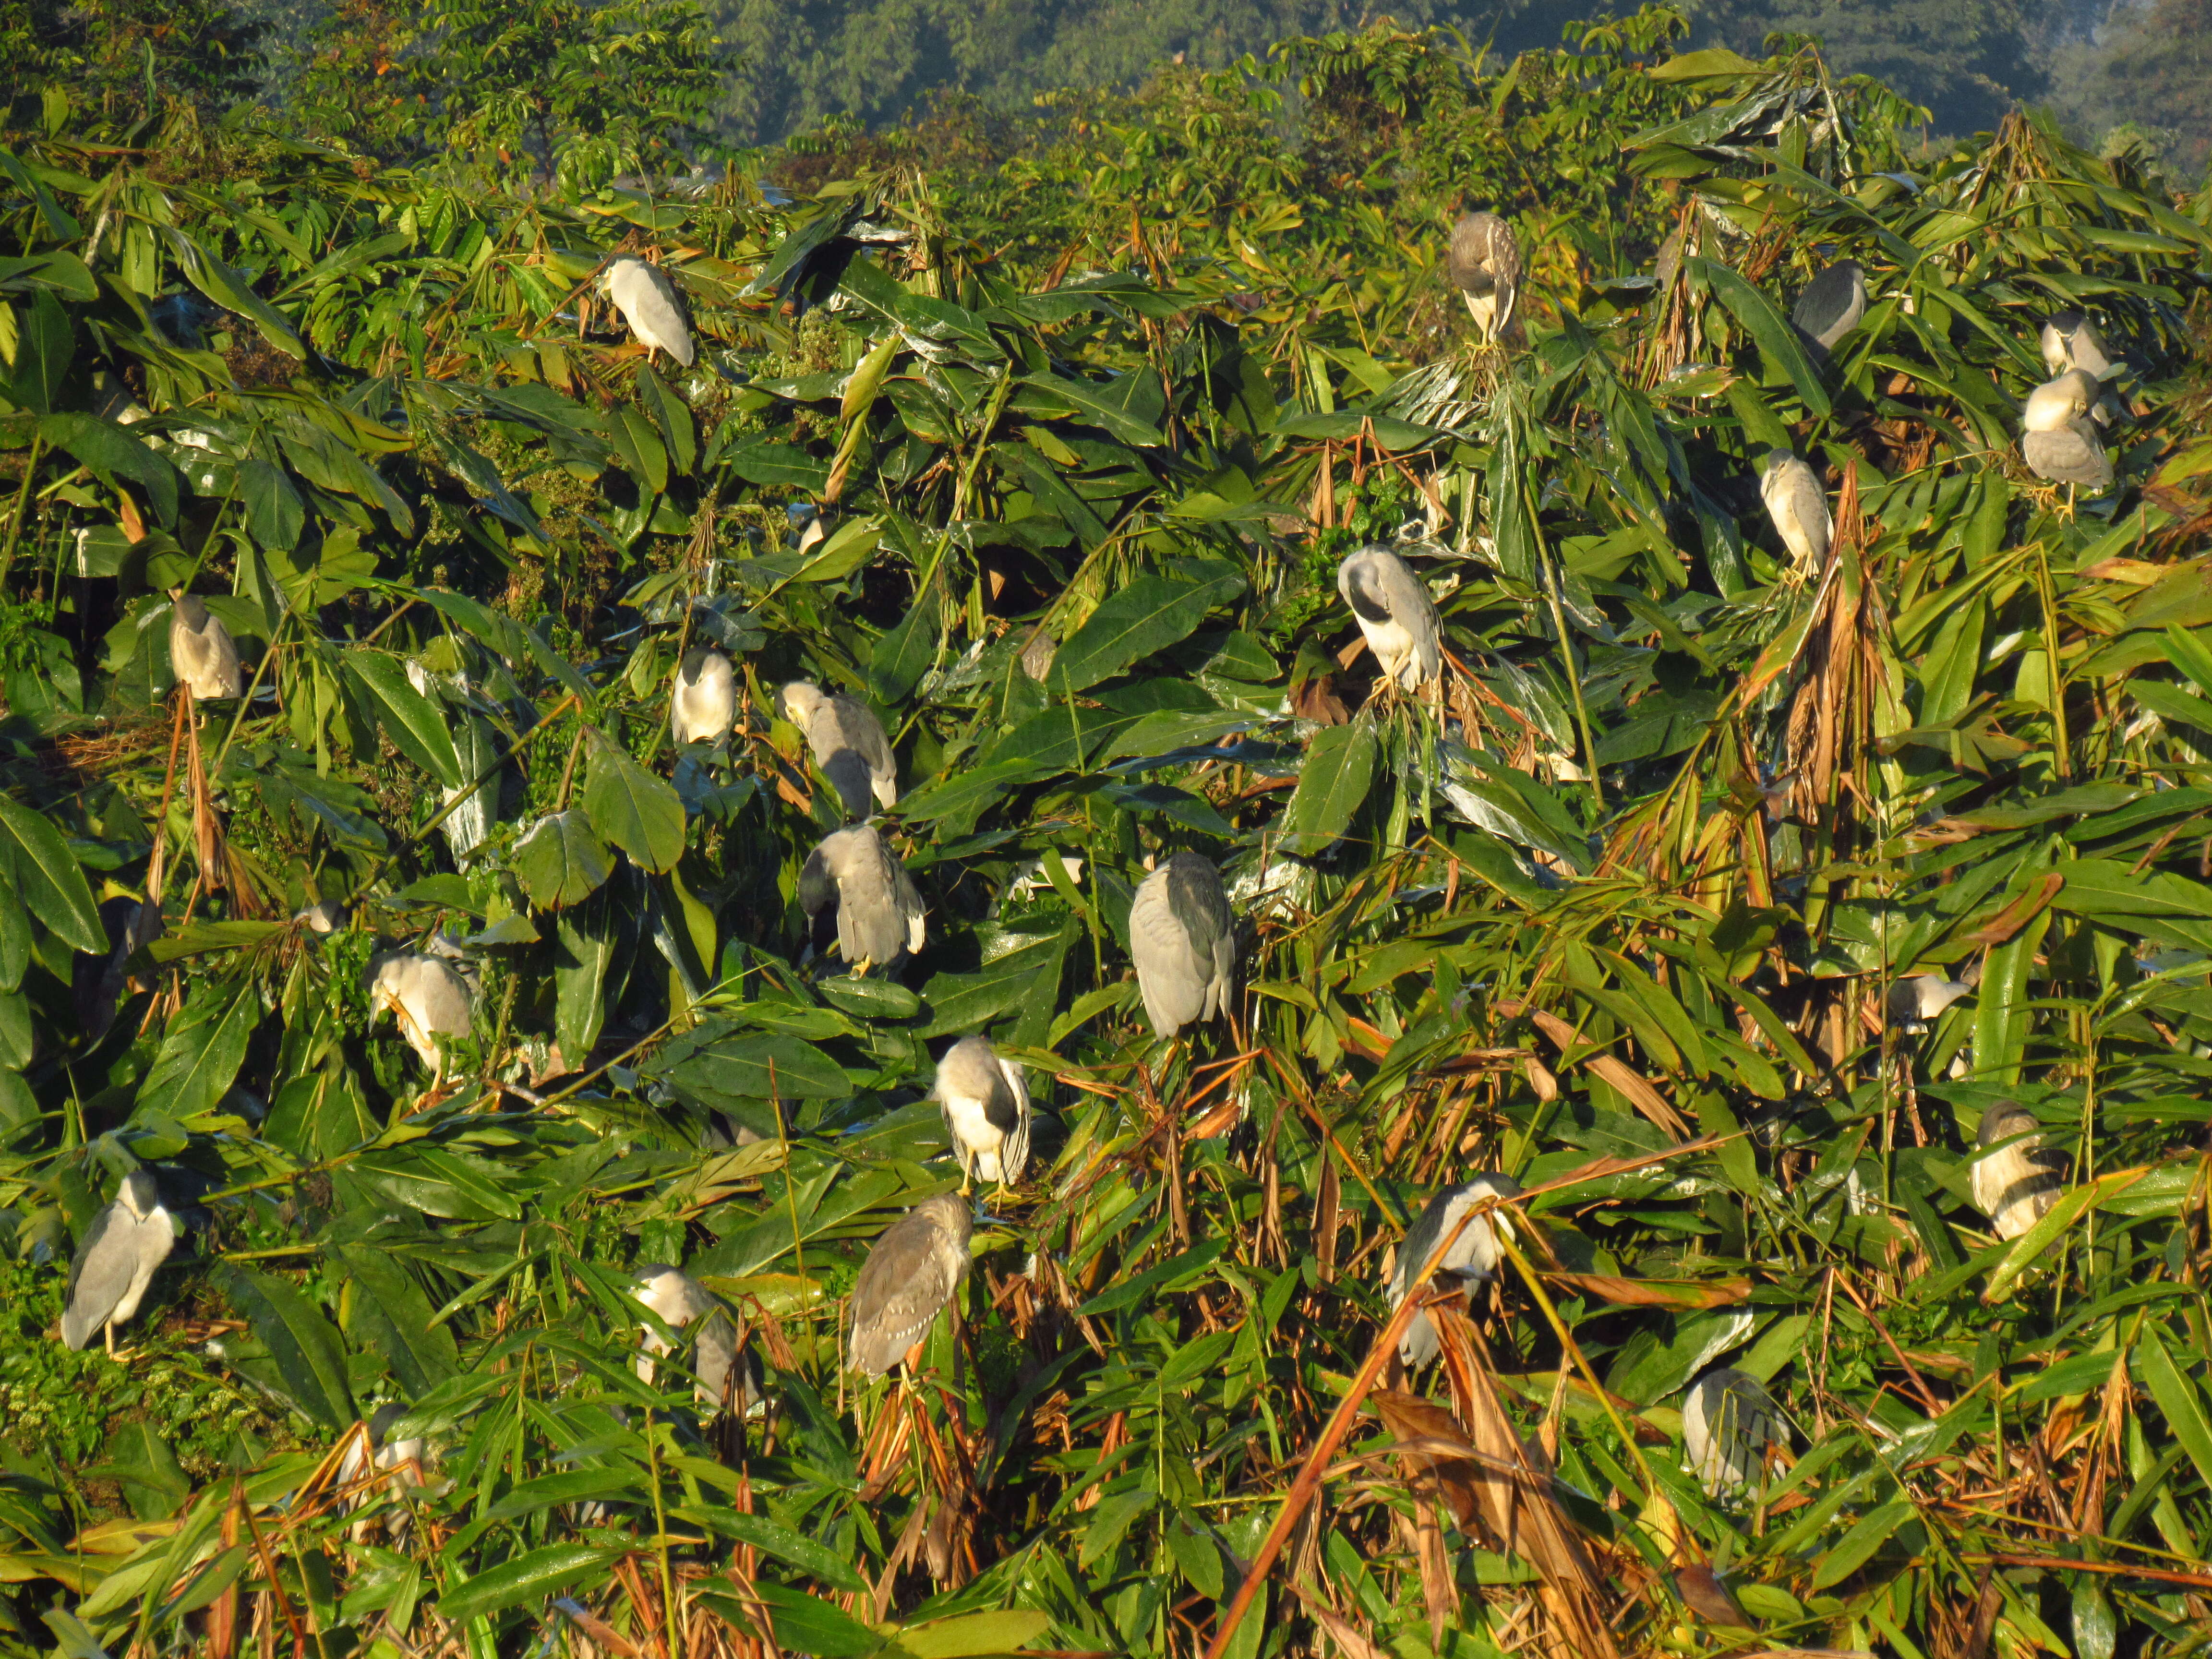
(370, 1455)
(651, 305)
(325, 916)
(854, 890)
(1183, 940)
(1484, 267)
(429, 997)
(849, 745)
(1395, 614)
(1706, 1594)
(202, 654)
(911, 1272)
(1472, 1257)
(678, 1299)
(126, 1242)
(2016, 1185)
(1729, 1420)
(987, 1112)
(2071, 341)
(2060, 441)
(703, 706)
(1832, 304)
(98, 981)
(1914, 1003)
(1799, 509)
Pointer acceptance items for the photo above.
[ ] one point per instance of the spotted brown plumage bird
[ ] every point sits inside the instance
(914, 1270)
(1484, 267)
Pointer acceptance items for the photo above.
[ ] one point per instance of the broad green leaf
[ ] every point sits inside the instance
(1149, 615)
(799, 1551)
(232, 291)
(1857, 1545)
(763, 1069)
(967, 1002)
(1339, 769)
(1098, 405)
(2179, 1398)
(389, 1312)
(415, 724)
(806, 1624)
(561, 861)
(583, 949)
(306, 1352)
(529, 1578)
(114, 454)
(49, 884)
(632, 809)
(1778, 341)
(202, 1050)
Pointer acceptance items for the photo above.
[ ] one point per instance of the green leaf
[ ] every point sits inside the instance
(967, 1002)
(416, 726)
(49, 885)
(631, 808)
(903, 655)
(763, 1069)
(2180, 1399)
(1111, 1523)
(309, 1355)
(771, 1538)
(1857, 1545)
(116, 457)
(671, 416)
(202, 1050)
(561, 861)
(1149, 615)
(45, 344)
(527, 1578)
(275, 515)
(807, 1624)
(1099, 406)
(584, 948)
(388, 1311)
(1339, 769)
(230, 290)
(1778, 343)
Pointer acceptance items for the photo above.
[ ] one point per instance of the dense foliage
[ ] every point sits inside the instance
(1051, 458)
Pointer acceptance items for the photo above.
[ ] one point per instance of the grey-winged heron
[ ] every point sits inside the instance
(1395, 615)
(649, 303)
(203, 656)
(2071, 341)
(1472, 1258)
(987, 1112)
(378, 1464)
(429, 995)
(1798, 508)
(911, 1272)
(1729, 1420)
(2016, 1184)
(126, 1242)
(703, 704)
(726, 1379)
(1484, 267)
(1832, 304)
(854, 890)
(2059, 441)
(1915, 1003)
(848, 743)
(1183, 940)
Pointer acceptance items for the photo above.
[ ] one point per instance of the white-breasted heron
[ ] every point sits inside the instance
(1473, 1257)
(2071, 341)
(1914, 1004)
(1798, 509)
(649, 301)
(848, 743)
(987, 1112)
(2059, 441)
(727, 1379)
(1395, 615)
(913, 1270)
(1729, 1420)
(2016, 1184)
(126, 1242)
(376, 1462)
(428, 996)
(1484, 267)
(1184, 943)
(1832, 304)
(703, 703)
(855, 890)
(202, 654)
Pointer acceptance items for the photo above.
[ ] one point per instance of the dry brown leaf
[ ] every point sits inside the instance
(1684, 1293)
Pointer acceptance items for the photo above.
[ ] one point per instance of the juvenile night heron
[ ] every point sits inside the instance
(704, 705)
(649, 303)
(987, 1112)
(202, 654)
(2016, 1185)
(126, 1242)
(428, 996)
(855, 890)
(2060, 441)
(1395, 614)
(1729, 1420)
(1914, 1004)
(726, 1376)
(912, 1272)
(2071, 341)
(1484, 267)
(1473, 1257)
(1183, 940)
(849, 745)
(1798, 508)
(1832, 304)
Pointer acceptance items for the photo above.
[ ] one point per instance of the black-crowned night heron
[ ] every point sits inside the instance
(912, 1272)
(987, 1112)
(726, 1379)
(324, 916)
(649, 303)
(1729, 1420)
(1395, 614)
(2016, 1185)
(126, 1242)
(702, 706)
(1832, 304)
(1472, 1258)
(849, 745)
(1184, 944)
(381, 1466)
(203, 656)
(429, 995)
(1914, 1004)
(855, 890)
(1484, 267)
(2071, 341)
(1799, 509)
(2060, 441)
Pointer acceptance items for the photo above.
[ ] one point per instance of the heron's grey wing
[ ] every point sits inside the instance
(1170, 973)
(715, 1357)
(847, 770)
(863, 734)
(817, 888)
(1505, 264)
(2070, 454)
(1004, 1100)
(905, 1282)
(1807, 503)
(1014, 1153)
(911, 909)
(1408, 597)
(98, 1276)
